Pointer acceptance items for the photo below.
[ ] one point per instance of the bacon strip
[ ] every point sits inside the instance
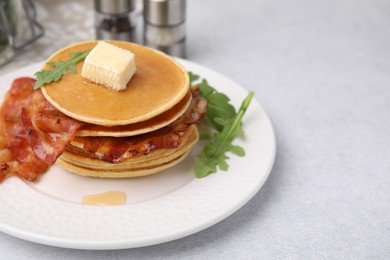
(49, 130)
(118, 149)
(16, 156)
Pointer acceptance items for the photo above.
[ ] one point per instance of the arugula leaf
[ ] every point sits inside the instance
(214, 154)
(60, 69)
(218, 105)
(193, 77)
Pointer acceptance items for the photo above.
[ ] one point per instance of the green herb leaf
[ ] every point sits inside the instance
(218, 105)
(193, 77)
(60, 69)
(214, 154)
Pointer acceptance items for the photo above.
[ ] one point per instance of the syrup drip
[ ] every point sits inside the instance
(105, 199)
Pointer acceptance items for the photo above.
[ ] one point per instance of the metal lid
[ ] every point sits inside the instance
(164, 12)
(114, 6)
(178, 49)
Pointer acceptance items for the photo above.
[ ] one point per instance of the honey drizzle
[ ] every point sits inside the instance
(105, 199)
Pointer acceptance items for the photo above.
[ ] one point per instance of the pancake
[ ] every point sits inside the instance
(152, 124)
(137, 172)
(141, 130)
(158, 85)
(83, 164)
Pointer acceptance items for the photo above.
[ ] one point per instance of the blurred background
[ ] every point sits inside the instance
(320, 68)
(37, 28)
(64, 23)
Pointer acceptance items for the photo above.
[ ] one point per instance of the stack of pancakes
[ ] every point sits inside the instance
(157, 95)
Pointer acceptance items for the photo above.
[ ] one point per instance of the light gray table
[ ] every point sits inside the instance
(321, 71)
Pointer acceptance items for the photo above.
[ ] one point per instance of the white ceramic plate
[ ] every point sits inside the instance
(159, 208)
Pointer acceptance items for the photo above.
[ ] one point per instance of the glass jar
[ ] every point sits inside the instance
(18, 27)
(164, 26)
(115, 19)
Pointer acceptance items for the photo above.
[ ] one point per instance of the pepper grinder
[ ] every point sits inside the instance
(115, 20)
(164, 26)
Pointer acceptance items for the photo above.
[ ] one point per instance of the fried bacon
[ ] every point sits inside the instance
(49, 130)
(34, 134)
(16, 156)
(118, 149)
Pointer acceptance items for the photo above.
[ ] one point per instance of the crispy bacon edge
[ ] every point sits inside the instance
(16, 156)
(49, 130)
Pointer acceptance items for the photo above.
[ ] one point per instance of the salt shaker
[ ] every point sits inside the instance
(115, 19)
(164, 26)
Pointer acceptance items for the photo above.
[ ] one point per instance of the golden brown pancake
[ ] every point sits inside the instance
(158, 84)
(138, 128)
(137, 172)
